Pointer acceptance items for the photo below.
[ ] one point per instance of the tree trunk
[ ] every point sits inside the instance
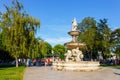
(27, 63)
(91, 56)
(16, 59)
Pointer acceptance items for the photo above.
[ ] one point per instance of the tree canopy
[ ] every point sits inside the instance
(98, 37)
(18, 29)
(59, 50)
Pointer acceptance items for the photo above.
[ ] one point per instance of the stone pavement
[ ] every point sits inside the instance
(45, 73)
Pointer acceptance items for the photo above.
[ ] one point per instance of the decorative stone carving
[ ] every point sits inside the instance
(74, 55)
(78, 54)
(68, 55)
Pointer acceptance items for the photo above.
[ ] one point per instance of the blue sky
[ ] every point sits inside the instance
(56, 15)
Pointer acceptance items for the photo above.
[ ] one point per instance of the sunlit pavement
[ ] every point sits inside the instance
(45, 73)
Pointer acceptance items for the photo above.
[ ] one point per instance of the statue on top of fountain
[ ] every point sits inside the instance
(74, 55)
(74, 24)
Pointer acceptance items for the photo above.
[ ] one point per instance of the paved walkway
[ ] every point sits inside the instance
(45, 73)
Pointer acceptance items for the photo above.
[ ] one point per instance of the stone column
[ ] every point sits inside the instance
(74, 38)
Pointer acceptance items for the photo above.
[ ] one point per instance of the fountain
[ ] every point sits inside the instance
(74, 56)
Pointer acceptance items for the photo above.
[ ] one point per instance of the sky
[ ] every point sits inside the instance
(56, 15)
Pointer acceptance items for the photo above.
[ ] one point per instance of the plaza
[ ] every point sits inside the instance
(45, 73)
(59, 40)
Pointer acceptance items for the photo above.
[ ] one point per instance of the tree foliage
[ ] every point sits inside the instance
(59, 50)
(98, 37)
(88, 34)
(115, 40)
(46, 49)
(18, 29)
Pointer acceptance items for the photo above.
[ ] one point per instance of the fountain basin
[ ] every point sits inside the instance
(73, 45)
(76, 66)
(74, 33)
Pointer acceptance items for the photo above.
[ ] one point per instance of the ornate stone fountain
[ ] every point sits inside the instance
(74, 57)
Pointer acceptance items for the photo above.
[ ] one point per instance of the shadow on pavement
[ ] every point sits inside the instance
(117, 73)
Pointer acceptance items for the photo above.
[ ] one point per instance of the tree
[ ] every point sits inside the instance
(48, 48)
(86, 23)
(97, 36)
(34, 48)
(59, 50)
(115, 40)
(88, 35)
(18, 29)
(104, 37)
(45, 48)
(4, 55)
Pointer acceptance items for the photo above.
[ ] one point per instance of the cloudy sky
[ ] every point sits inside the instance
(56, 15)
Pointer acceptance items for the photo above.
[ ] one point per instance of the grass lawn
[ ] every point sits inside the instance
(112, 66)
(12, 73)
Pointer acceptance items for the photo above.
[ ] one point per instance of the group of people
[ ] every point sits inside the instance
(35, 62)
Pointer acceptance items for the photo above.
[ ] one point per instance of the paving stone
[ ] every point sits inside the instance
(45, 73)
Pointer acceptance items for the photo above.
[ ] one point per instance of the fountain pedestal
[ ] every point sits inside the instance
(76, 66)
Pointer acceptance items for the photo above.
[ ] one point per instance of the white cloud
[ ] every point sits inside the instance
(55, 34)
(60, 40)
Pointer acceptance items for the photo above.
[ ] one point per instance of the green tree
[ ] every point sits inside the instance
(45, 48)
(115, 40)
(48, 48)
(4, 55)
(96, 36)
(34, 48)
(59, 50)
(104, 37)
(88, 35)
(18, 29)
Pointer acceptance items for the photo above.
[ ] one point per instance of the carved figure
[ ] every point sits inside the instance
(68, 55)
(78, 54)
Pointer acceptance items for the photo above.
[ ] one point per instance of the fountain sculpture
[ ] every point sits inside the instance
(74, 56)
